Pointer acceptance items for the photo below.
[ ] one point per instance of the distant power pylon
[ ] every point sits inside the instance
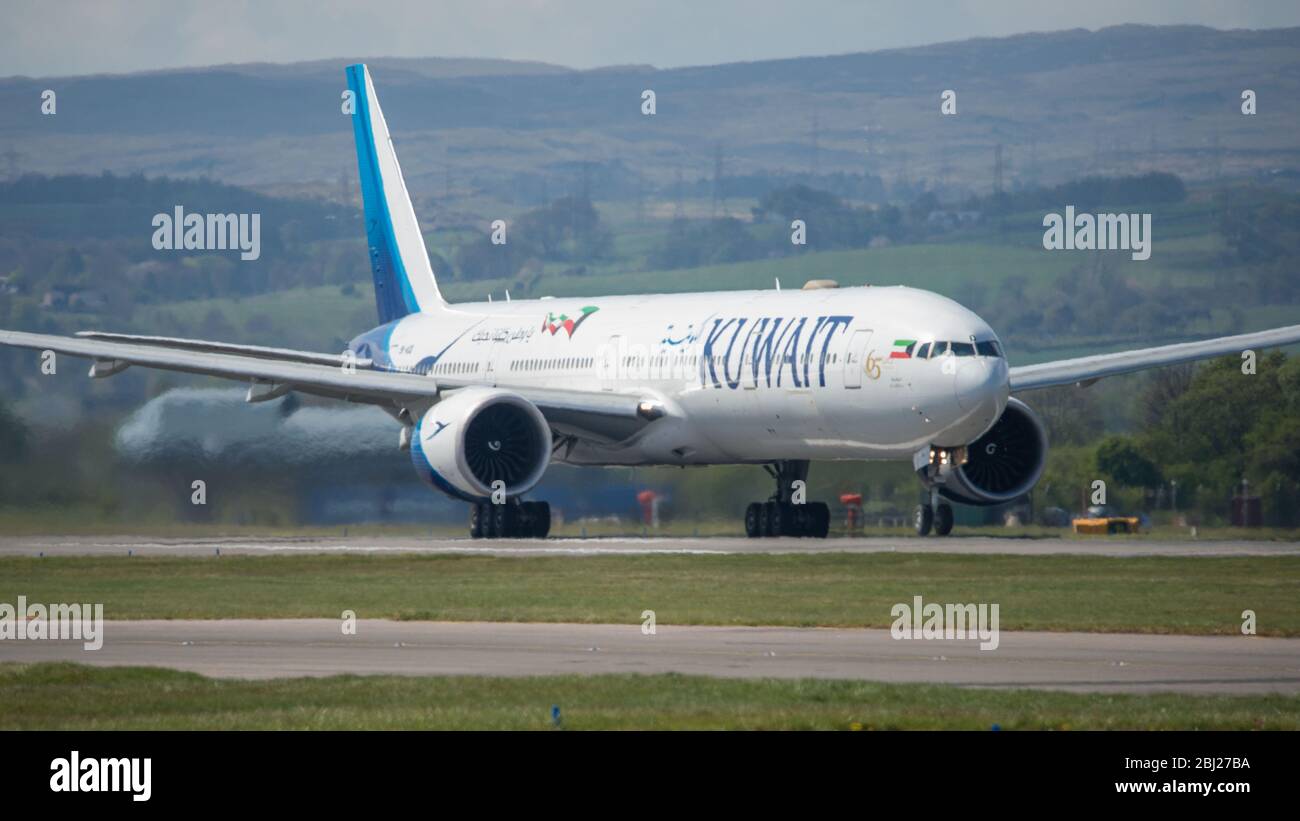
(997, 169)
(816, 150)
(640, 197)
(718, 197)
(11, 157)
(345, 186)
(871, 166)
(945, 165)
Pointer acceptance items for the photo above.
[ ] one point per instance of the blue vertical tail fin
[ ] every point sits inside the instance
(404, 279)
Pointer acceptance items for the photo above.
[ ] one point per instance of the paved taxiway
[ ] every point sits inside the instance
(1094, 662)
(148, 546)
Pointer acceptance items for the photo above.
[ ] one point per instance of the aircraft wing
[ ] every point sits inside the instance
(204, 345)
(272, 372)
(355, 384)
(1089, 369)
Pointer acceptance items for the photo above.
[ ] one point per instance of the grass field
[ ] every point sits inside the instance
(1143, 595)
(69, 696)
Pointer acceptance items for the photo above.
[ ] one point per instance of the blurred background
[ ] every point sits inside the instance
(604, 199)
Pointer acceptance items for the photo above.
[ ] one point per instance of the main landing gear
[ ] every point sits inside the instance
(780, 515)
(935, 514)
(512, 520)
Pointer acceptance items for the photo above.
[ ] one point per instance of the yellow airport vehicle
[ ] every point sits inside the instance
(1101, 520)
(1107, 524)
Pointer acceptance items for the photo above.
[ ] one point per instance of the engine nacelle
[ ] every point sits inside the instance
(1004, 463)
(477, 437)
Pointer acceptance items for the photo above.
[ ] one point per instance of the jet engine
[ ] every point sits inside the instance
(477, 437)
(1003, 464)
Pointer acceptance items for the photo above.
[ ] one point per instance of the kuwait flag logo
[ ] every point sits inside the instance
(552, 324)
(902, 349)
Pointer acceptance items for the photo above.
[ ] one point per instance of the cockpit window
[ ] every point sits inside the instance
(932, 350)
(988, 348)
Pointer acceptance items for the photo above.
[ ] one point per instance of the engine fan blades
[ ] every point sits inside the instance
(501, 444)
(1000, 460)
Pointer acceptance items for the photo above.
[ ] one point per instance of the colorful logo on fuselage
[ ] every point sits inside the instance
(552, 324)
(902, 349)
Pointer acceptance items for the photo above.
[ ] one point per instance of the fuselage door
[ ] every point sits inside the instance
(855, 358)
(609, 353)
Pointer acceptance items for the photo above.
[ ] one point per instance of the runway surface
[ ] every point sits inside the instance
(1088, 662)
(149, 546)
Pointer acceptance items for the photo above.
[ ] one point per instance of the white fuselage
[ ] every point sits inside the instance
(745, 376)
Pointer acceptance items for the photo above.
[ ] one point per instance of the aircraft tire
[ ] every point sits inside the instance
(754, 520)
(943, 520)
(477, 521)
(820, 520)
(923, 520)
(541, 520)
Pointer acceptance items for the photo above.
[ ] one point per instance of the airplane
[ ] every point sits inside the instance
(488, 394)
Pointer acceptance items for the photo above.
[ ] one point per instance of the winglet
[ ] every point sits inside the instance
(404, 279)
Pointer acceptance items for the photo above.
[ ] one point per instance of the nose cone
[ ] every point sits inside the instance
(980, 381)
(972, 374)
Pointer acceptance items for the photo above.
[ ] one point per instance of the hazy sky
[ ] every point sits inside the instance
(58, 37)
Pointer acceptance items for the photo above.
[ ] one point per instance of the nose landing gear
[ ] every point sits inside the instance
(934, 515)
(781, 515)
